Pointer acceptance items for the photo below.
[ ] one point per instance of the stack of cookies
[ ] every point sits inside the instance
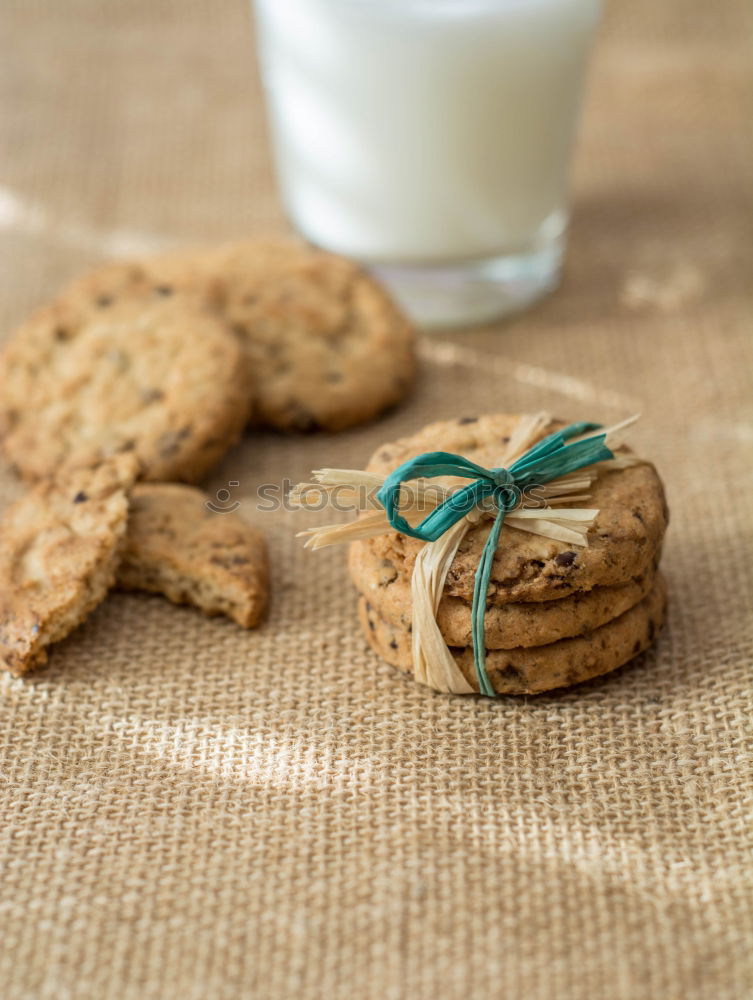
(139, 377)
(555, 614)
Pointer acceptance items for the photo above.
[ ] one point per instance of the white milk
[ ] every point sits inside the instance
(425, 131)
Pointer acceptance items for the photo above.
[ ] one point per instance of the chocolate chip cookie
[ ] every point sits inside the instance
(386, 587)
(327, 346)
(623, 543)
(538, 668)
(180, 547)
(140, 368)
(59, 548)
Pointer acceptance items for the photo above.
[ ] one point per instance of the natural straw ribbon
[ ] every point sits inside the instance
(552, 466)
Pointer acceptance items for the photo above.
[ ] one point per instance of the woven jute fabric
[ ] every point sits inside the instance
(196, 812)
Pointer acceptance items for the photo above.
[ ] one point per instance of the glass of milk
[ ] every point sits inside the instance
(430, 140)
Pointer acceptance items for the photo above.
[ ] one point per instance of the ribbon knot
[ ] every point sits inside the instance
(502, 477)
(549, 459)
(506, 495)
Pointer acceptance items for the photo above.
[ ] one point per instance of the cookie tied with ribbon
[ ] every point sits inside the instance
(488, 538)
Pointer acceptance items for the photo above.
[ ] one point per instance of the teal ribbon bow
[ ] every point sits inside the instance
(549, 459)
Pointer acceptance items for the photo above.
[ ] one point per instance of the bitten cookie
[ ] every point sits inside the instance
(179, 547)
(327, 346)
(149, 371)
(622, 543)
(538, 668)
(59, 547)
(384, 585)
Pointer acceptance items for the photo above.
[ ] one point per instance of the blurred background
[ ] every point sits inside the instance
(130, 125)
(194, 813)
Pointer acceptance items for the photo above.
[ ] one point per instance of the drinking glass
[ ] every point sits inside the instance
(430, 140)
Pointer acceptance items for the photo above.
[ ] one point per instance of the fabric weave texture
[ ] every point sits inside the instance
(192, 811)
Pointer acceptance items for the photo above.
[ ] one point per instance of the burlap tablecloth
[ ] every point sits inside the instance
(191, 811)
